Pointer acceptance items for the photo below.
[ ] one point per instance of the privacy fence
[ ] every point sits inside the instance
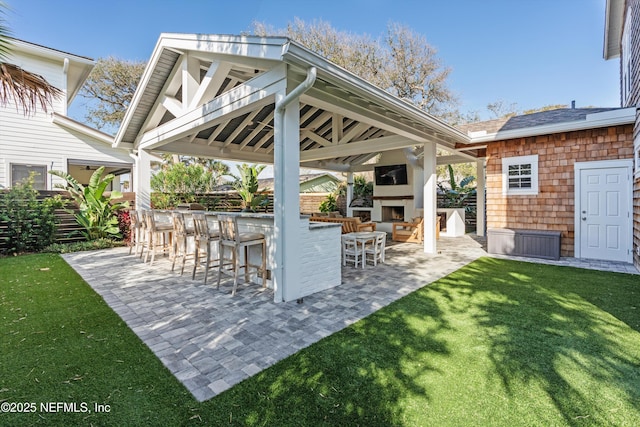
(69, 231)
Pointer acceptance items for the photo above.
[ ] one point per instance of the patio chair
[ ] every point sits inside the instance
(374, 250)
(205, 237)
(408, 231)
(351, 250)
(234, 242)
(158, 236)
(181, 235)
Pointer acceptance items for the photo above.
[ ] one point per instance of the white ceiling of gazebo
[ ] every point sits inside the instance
(214, 96)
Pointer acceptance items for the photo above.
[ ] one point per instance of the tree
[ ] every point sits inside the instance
(414, 72)
(545, 108)
(217, 168)
(500, 109)
(109, 89)
(177, 182)
(26, 89)
(246, 184)
(403, 63)
(456, 192)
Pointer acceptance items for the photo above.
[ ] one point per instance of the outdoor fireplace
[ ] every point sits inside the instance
(364, 215)
(392, 213)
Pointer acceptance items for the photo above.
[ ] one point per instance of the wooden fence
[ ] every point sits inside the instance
(68, 229)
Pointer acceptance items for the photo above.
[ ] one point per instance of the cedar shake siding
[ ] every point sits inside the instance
(633, 99)
(553, 207)
(633, 6)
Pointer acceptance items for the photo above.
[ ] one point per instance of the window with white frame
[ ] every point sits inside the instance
(19, 172)
(520, 175)
(637, 156)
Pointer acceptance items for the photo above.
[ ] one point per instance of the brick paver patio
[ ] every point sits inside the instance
(211, 341)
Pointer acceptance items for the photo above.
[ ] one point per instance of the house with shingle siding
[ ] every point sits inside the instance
(622, 42)
(566, 171)
(570, 172)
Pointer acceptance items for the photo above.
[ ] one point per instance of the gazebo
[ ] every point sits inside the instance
(270, 100)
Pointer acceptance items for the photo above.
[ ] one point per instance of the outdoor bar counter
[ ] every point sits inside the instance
(319, 251)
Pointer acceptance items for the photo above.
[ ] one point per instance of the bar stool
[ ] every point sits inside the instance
(234, 241)
(181, 235)
(158, 236)
(204, 238)
(136, 232)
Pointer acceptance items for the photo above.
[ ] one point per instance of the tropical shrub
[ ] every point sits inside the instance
(97, 211)
(30, 223)
(362, 187)
(65, 248)
(457, 192)
(246, 184)
(178, 182)
(329, 204)
(124, 224)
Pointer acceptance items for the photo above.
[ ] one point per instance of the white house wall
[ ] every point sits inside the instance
(35, 140)
(52, 71)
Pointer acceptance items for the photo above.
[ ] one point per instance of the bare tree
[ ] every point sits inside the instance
(109, 90)
(401, 62)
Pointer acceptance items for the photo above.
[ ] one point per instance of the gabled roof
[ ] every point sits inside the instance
(315, 182)
(614, 14)
(214, 96)
(547, 122)
(78, 69)
(76, 126)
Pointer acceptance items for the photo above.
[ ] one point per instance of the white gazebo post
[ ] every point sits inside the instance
(142, 180)
(480, 199)
(286, 168)
(430, 197)
(349, 193)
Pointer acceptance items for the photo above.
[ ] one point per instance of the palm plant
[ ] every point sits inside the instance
(26, 89)
(457, 192)
(246, 184)
(97, 211)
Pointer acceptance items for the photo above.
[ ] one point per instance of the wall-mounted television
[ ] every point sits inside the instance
(391, 175)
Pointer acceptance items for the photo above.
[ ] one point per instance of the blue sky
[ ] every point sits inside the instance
(529, 52)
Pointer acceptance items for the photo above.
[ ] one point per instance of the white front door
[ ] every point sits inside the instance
(603, 206)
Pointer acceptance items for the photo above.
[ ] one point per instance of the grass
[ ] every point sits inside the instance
(497, 343)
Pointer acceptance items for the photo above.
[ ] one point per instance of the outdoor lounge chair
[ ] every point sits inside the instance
(412, 231)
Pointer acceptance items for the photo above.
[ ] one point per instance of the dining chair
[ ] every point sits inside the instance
(158, 236)
(205, 237)
(181, 236)
(233, 242)
(374, 249)
(351, 250)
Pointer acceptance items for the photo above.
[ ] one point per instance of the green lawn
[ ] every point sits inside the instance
(497, 343)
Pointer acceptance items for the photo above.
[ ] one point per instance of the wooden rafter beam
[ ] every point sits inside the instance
(356, 148)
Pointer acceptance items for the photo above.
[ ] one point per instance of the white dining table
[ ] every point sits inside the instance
(362, 237)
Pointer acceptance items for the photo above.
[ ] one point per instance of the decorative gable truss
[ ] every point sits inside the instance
(215, 98)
